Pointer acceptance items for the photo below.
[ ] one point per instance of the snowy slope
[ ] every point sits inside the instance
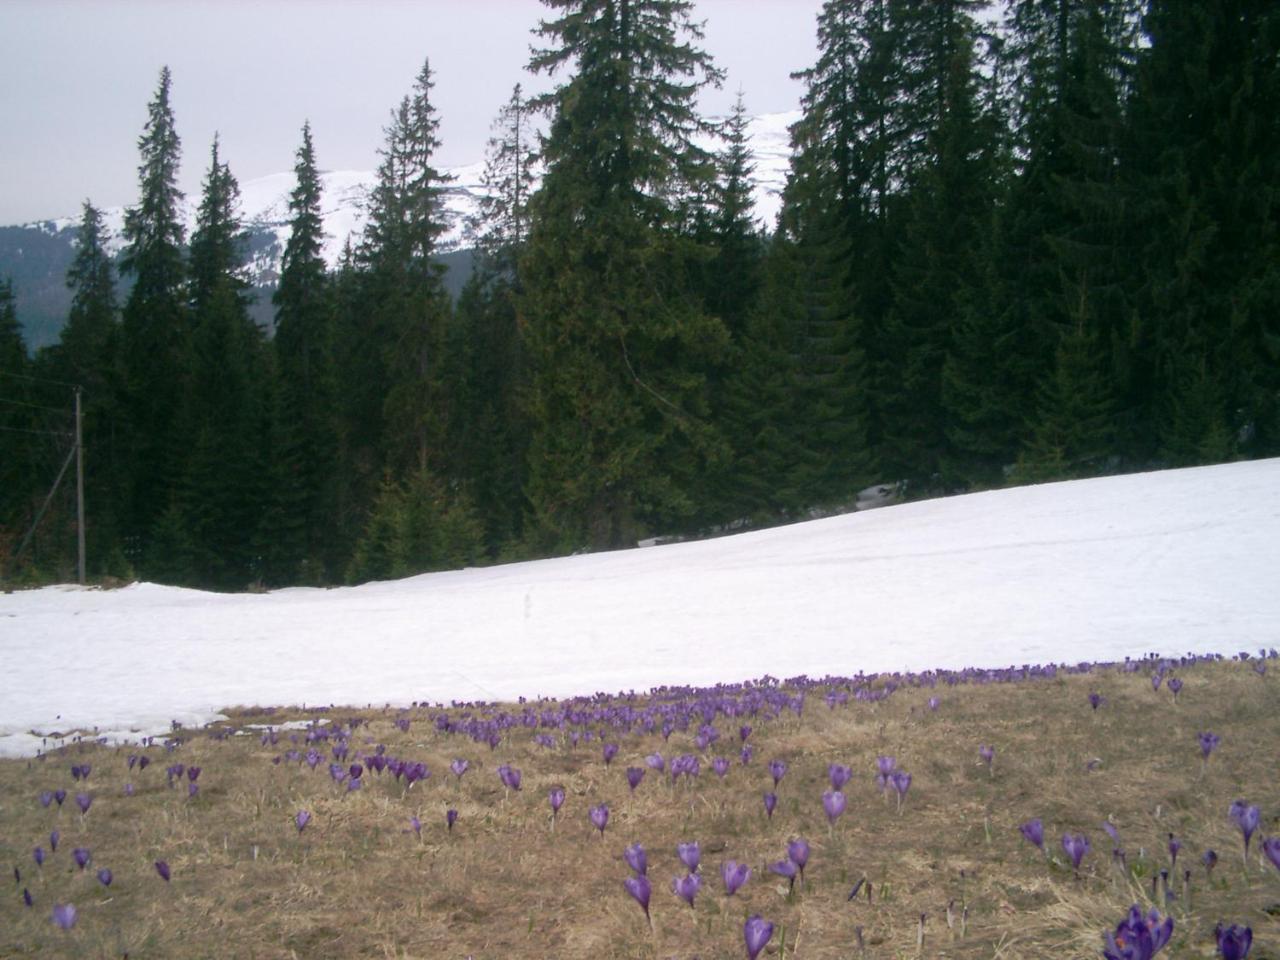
(1169, 562)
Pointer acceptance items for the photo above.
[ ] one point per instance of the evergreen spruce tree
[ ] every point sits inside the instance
(219, 501)
(1060, 258)
(950, 206)
(409, 303)
(489, 431)
(618, 342)
(87, 354)
(306, 430)
(730, 280)
(17, 443)
(1203, 169)
(155, 329)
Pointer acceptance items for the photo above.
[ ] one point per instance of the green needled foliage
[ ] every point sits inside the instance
(306, 489)
(156, 324)
(618, 341)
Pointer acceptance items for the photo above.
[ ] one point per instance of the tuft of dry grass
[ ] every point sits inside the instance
(358, 882)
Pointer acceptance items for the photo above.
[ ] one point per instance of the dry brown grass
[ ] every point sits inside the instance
(358, 883)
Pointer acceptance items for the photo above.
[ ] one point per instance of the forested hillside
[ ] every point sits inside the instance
(1038, 249)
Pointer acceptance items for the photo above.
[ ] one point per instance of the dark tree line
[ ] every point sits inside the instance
(1040, 249)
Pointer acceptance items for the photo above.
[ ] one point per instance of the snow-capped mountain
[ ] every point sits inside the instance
(264, 201)
(36, 255)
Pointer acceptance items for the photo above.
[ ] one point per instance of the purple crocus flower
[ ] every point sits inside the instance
(1155, 681)
(104, 877)
(1271, 847)
(556, 798)
(687, 887)
(1137, 937)
(128, 789)
(59, 795)
(1175, 687)
(770, 801)
(53, 841)
(1076, 846)
(690, 855)
(46, 797)
(1208, 743)
(987, 754)
(785, 868)
(934, 703)
(81, 856)
(746, 754)
(1096, 700)
(356, 771)
(757, 932)
(634, 776)
(1210, 860)
(27, 898)
(450, 818)
(302, 819)
(734, 875)
(777, 770)
(510, 776)
(193, 774)
(599, 816)
(721, 766)
(1111, 831)
(1174, 846)
(901, 781)
(1033, 831)
(833, 802)
(839, 775)
(655, 762)
(636, 858)
(194, 788)
(886, 765)
(1245, 817)
(64, 915)
(162, 868)
(459, 767)
(609, 751)
(1233, 942)
(638, 887)
(798, 853)
(144, 762)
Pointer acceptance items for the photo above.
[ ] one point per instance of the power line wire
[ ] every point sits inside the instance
(37, 406)
(39, 433)
(24, 376)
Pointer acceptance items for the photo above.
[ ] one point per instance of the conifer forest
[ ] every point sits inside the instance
(1040, 247)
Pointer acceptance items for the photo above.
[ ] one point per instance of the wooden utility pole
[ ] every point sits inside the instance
(79, 490)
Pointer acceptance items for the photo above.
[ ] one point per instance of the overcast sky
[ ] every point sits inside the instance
(76, 77)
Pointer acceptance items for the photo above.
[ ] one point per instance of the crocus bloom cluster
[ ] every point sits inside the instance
(1233, 942)
(1138, 937)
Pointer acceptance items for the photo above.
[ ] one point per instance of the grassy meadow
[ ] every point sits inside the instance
(949, 874)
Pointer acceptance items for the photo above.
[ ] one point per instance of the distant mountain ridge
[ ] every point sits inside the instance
(36, 255)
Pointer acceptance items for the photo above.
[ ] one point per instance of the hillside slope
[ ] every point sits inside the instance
(1169, 562)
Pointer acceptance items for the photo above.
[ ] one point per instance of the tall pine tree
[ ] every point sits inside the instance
(306, 429)
(618, 341)
(156, 326)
